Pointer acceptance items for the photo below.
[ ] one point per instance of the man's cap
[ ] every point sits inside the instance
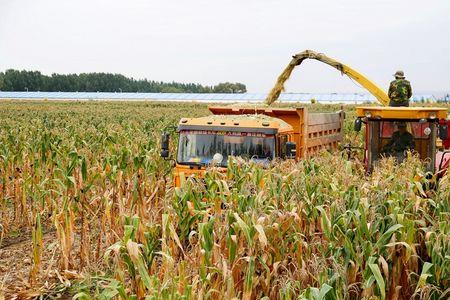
(401, 124)
(399, 74)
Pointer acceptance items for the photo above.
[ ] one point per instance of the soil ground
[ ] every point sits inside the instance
(16, 263)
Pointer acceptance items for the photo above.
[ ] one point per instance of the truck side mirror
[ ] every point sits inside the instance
(165, 139)
(358, 125)
(291, 149)
(443, 131)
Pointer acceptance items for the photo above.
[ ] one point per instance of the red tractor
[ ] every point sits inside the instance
(394, 130)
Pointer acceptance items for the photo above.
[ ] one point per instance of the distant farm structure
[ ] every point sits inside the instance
(326, 98)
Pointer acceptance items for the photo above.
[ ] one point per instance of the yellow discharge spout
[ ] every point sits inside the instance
(297, 59)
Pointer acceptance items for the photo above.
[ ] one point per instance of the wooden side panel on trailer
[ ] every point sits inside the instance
(324, 131)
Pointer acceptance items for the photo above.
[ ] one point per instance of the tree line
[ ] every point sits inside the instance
(15, 80)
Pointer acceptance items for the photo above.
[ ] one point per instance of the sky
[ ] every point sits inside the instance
(248, 41)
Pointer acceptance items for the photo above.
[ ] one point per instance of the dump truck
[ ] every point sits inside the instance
(426, 128)
(256, 134)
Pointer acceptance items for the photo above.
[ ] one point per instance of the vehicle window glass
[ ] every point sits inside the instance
(397, 138)
(199, 147)
(387, 129)
(417, 129)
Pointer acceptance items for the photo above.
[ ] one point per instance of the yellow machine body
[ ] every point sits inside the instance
(399, 113)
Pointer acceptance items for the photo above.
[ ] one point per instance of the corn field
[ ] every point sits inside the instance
(88, 211)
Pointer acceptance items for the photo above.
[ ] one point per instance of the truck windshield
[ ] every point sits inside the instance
(199, 147)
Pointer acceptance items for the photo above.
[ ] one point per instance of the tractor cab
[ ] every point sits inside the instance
(392, 131)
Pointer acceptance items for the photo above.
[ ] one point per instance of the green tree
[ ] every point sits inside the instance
(2, 81)
(14, 80)
(228, 87)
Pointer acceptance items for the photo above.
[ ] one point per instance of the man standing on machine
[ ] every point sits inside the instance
(399, 90)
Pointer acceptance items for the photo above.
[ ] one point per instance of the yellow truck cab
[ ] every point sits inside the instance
(390, 129)
(257, 134)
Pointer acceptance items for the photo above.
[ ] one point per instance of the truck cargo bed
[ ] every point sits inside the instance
(312, 132)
